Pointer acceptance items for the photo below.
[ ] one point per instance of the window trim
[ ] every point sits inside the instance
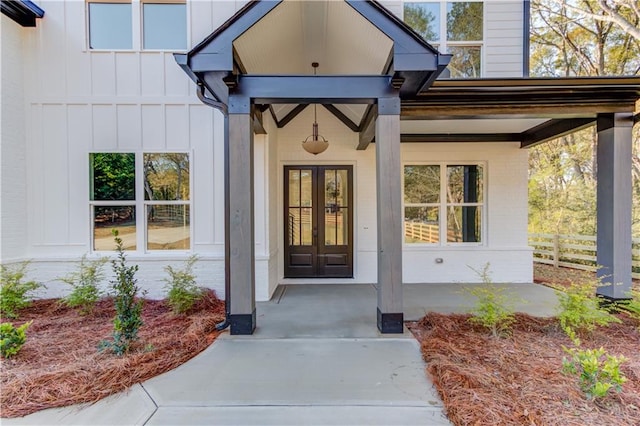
(443, 43)
(141, 25)
(444, 204)
(141, 204)
(137, 25)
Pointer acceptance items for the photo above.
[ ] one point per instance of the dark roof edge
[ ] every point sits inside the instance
(24, 12)
(223, 27)
(480, 83)
(401, 24)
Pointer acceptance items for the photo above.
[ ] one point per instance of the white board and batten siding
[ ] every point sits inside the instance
(78, 101)
(73, 101)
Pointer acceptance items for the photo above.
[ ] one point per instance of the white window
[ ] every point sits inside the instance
(443, 203)
(110, 26)
(145, 24)
(452, 27)
(164, 26)
(163, 213)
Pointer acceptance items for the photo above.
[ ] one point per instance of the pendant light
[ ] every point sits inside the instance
(315, 143)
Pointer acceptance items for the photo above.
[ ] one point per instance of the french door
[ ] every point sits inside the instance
(318, 216)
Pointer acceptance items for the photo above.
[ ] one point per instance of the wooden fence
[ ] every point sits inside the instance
(575, 251)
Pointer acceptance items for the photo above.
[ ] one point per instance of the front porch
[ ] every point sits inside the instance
(348, 310)
(391, 97)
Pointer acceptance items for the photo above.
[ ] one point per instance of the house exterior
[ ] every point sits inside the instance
(181, 125)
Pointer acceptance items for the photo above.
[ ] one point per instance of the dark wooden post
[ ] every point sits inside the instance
(239, 220)
(614, 204)
(389, 206)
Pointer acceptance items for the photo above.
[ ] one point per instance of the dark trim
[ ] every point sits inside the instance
(290, 89)
(389, 106)
(239, 104)
(290, 116)
(460, 137)
(553, 129)
(610, 121)
(318, 252)
(258, 124)
(368, 127)
(240, 22)
(24, 12)
(390, 323)
(243, 324)
(342, 117)
(526, 37)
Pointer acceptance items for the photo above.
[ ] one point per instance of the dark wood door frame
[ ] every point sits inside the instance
(312, 255)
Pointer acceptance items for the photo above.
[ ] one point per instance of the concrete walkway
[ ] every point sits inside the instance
(316, 359)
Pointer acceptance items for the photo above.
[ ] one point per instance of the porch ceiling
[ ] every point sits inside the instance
(331, 33)
(297, 33)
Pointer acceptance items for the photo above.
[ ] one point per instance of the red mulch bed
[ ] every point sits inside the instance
(518, 380)
(60, 364)
(562, 277)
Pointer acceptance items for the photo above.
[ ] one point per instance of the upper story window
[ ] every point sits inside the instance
(110, 26)
(452, 27)
(123, 25)
(443, 203)
(164, 26)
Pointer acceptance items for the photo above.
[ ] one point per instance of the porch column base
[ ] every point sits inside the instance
(243, 324)
(390, 323)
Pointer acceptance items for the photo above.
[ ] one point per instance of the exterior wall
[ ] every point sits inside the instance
(61, 101)
(503, 38)
(504, 246)
(80, 101)
(13, 202)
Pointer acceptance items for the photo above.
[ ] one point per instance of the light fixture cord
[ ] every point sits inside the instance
(315, 116)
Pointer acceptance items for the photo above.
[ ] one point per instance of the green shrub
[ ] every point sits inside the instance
(579, 308)
(85, 283)
(493, 309)
(128, 319)
(632, 306)
(14, 291)
(597, 371)
(12, 338)
(182, 290)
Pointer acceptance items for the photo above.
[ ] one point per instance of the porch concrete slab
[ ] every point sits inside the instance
(320, 311)
(133, 407)
(294, 416)
(299, 372)
(419, 299)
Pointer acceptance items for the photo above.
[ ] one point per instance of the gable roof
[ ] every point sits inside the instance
(413, 64)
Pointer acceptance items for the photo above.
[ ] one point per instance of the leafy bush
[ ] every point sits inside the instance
(579, 308)
(12, 338)
(632, 306)
(597, 371)
(14, 291)
(493, 309)
(182, 290)
(85, 282)
(128, 319)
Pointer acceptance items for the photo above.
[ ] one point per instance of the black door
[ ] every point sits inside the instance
(318, 214)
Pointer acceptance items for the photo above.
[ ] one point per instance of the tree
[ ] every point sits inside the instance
(421, 20)
(578, 38)
(114, 176)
